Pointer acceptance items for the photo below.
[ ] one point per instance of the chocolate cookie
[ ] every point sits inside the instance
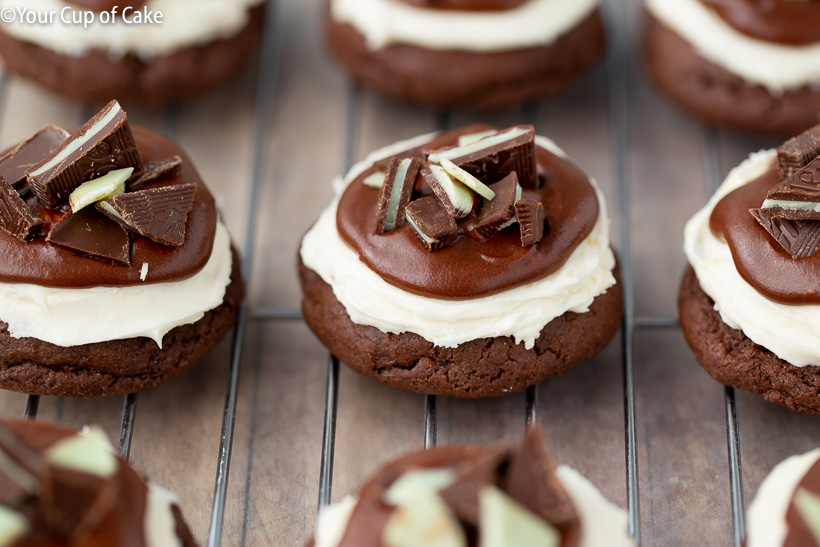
(718, 96)
(32, 366)
(481, 80)
(731, 358)
(96, 76)
(487, 367)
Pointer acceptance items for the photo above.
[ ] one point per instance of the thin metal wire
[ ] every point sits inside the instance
(532, 405)
(274, 314)
(32, 405)
(267, 74)
(329, 433)
(617, 72)
(649, 322)
(129, 413)
(735, 467)
(430, 421)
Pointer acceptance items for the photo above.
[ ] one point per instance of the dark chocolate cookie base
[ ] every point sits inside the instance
(732, 359)
(460, 78)
(36, 367)
(710, 92)
(96, 77)
(487, 367)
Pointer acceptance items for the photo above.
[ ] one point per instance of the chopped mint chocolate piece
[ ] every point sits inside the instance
(20, 469)
(375, 179)
(800, 238)
(808, 505)
(431, 223)
(15, 162)
(498, 212)
(418, 482)
(13, 526)
(155, 170)
(16, 218)
(804, 185)
(472, 476)
(93, 234)
(160, 214)
(531, 220)
(456, 198)
(423, 520)
(101, 145)
(89, 452)
(472, 138)
(493, 158)
(506, 523)
(794, 154)
(467, 179)
(395, 193)
(100, 189)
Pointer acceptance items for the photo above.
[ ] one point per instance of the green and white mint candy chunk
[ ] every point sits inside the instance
(507, 523)
(458, 194)
(518, 195)
(108, 185)
(424, 520)
(467, 179)
(785, 204)
(418, 483)
(472, 138)
(13, 526)
(89, 452)
(808, 505)
(375, 179)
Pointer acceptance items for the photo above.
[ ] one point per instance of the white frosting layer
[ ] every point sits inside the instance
(766, 519)
(534, 23)
(160, 524)
(602, 522)
(791, 332)
(520, 312)
(776, 67)
(185, 23)
(72, 317)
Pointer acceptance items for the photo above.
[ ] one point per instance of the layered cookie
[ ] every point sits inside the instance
(59, 487)
(152, 52)
(464, 496)
(786, 508)
(476, 53)
(750, 302)
(472, 263)
(116, 273)
(739, 63)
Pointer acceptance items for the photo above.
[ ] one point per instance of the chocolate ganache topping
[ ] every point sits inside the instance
(98, 204)
(52, 497)
(790, 22)
(772, 224)
(467, 5)
(799, 513)
(514, 214)
(454, 481)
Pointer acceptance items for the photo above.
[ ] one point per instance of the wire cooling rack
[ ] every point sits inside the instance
(618, 66)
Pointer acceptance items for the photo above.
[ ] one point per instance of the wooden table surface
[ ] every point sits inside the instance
(269, 145)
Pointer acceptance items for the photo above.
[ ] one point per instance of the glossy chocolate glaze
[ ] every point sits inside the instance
(798, 534)
(39, 263)
(759, 259)
(467, 5)
(782, 21)
(473, 266)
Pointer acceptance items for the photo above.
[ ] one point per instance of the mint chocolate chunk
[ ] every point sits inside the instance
(90, 233)
(102, 144)
(16, 218)
(796, 153)
(499, 211)
(33, 150)
(434, 227)
(800, 238)
(395, 193)
(493, 158)
(155, 170)
(160, 214)
(804, 185)
(99, 189)
(456, 198)
(530, 220)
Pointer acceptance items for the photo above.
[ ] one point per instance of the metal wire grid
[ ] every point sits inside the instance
(266, 86)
